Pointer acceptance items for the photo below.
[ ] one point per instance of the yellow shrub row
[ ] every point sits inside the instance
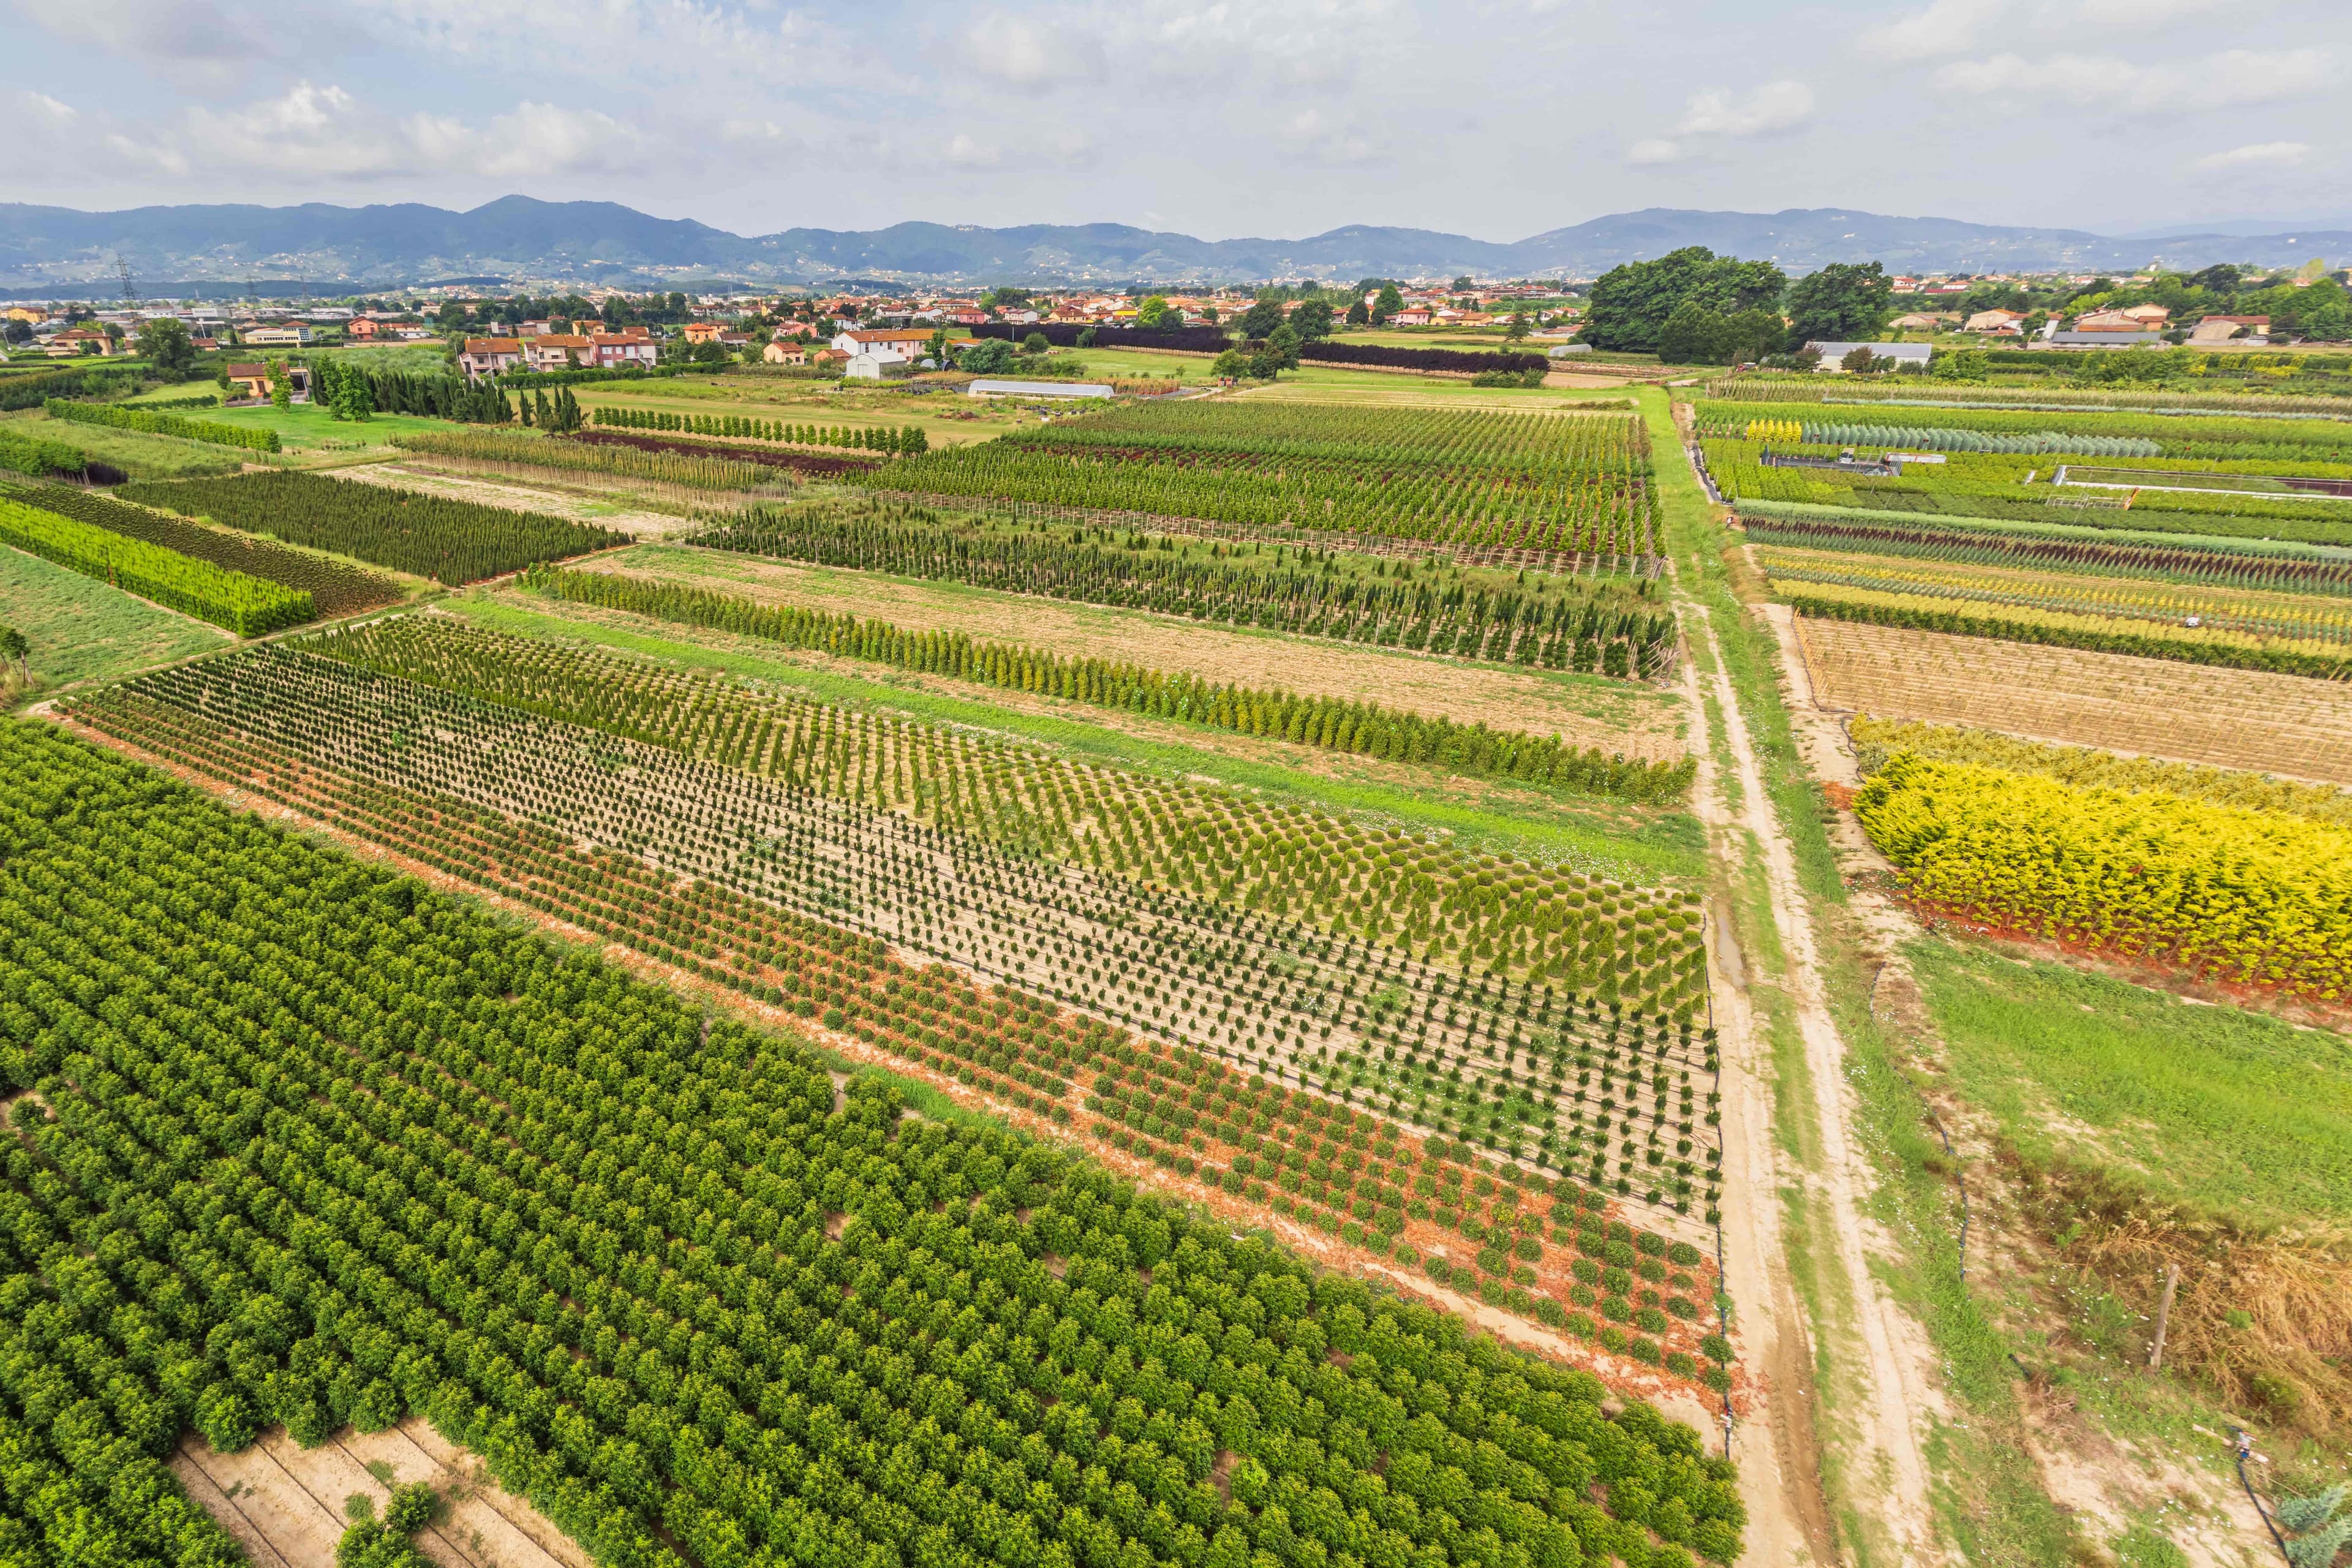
(2244, 895)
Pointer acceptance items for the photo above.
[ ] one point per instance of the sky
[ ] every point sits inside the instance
(1498, 118)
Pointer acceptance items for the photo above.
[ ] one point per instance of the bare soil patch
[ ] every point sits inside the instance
(285, 1503)
(1637, 721)
(522, 498)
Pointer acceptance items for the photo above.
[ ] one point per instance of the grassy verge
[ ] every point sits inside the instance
(1990, 1501)
(1660, 847)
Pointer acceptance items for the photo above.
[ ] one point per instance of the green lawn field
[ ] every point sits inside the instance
(82, 631)
(2221, 1108)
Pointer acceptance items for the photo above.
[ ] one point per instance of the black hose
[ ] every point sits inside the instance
(2244, 1448)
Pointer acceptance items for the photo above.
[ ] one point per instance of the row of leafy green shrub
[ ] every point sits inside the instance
(1331, 723)
(120, 416)
(23, 452)
(1553, 622)
(245, 604)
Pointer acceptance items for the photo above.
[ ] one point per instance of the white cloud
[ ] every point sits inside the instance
(2258, 155)
(44, 111)
(1019, 50)
(2147, 13)
(1775, 106)
(965, 152)
(1655, 151)
(1330, 139)
(2224, 80)
(1946, 28)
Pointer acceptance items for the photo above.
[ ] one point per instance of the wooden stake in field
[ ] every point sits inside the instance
(2163, 1313)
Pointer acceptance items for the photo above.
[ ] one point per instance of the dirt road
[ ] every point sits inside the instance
(1884, 1389)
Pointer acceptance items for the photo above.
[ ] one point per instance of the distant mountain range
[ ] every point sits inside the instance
(59, 250)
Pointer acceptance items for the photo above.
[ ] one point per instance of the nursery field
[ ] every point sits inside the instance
(81, 630)
(1544, 481)
(2249, 719)
(1612, 840)
(1587, 709)
(1431, 605)
(675, 1289)
(245, 604)
(428, 536)
(137, 454)
(336, 588)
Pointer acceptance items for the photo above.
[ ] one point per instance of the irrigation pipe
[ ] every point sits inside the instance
(2245, 1446)
(1935, 1121)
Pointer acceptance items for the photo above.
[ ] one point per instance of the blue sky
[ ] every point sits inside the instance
(1493, 118)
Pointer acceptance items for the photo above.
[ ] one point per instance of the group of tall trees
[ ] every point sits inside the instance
(1694, 307)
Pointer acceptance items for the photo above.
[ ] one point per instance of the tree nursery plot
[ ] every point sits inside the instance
(1542, 482)
(428, 536)
(1620, 713)
(316, 1146)
(1437, 607)
(1335, 723)
(245, 606)
(335, 588)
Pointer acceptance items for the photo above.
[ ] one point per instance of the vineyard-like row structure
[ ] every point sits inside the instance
(1543, 481)
(1816, 390)
(1344, 1171)
(2060, 547)
(120, 416)
(2187, 436)
(1329, 722)
(1877, 739)
(245, 606)
(513, 450)
(335, 588)
(449, 541)
(2250, 898)
(1297, 589)
(23, 453)
(328, 1148)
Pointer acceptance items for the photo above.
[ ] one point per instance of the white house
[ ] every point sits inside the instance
(905, 342)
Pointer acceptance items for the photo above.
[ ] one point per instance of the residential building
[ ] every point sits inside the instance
(255, 384)
(76, 340)
(2223, 329)
(610, 351)
(1922, 321)
(362, 330)
(2131, 318)
(286, 334)
(558, 351)
(2004, 324)
(490, 356)
(699, 333)
(905, 342)
(786, 351)
(1413, 316)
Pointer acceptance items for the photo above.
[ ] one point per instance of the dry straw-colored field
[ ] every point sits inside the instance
(2283, 724)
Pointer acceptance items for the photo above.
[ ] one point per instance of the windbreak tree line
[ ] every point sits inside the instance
(122, 418)
(388, 1157)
